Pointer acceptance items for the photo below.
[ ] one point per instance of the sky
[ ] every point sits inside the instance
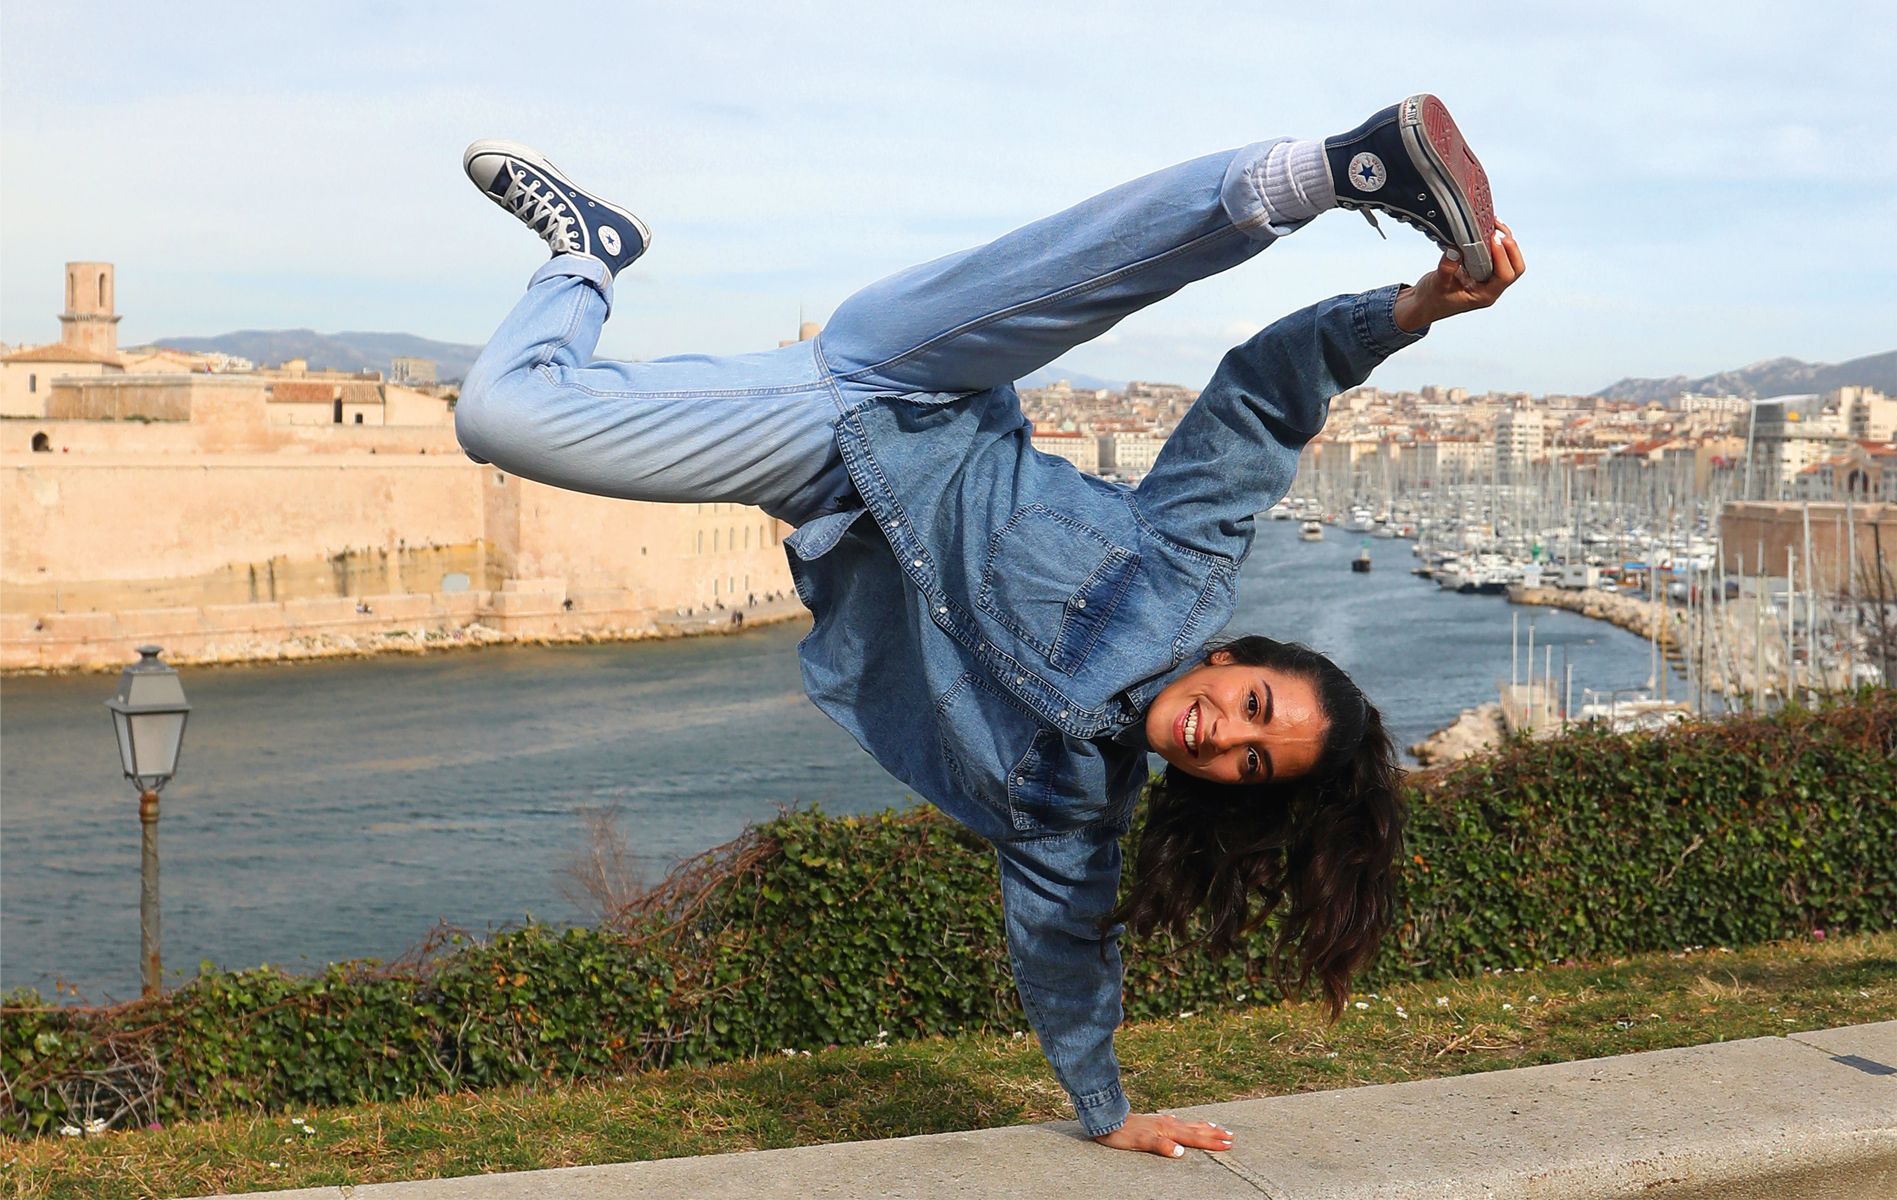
(1696, 187)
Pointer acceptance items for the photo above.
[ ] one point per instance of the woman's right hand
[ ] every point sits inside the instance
(1448, 290)
(1166, 1136)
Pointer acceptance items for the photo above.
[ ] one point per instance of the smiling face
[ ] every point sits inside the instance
(1236, 724)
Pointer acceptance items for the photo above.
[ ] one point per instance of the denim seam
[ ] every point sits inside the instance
(549, 349)
(1027, 306)
(690, 393)
(1212, 562)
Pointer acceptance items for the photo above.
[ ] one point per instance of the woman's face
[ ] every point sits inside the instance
(1236, 724)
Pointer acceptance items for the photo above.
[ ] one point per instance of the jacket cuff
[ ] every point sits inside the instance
(1103, 1111)
(1373, 317)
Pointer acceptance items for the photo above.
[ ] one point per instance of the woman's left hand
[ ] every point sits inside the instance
(1166, 1136)
(1448, 290)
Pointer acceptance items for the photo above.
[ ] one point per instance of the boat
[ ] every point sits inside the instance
(1361, 563)
(1281, 511)
(1310, 531)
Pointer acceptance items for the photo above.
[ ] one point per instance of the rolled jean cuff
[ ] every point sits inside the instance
(579, 266)
(1103, 1111)
(1373, 317)
(1243, 195)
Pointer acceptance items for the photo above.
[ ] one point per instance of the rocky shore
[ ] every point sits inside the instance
(1474, 731)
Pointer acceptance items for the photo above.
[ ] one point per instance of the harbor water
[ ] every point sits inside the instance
(335, 810)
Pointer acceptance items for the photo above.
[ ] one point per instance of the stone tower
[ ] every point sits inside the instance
(89, 323)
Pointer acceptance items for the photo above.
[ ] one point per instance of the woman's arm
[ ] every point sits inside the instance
(1236, 451)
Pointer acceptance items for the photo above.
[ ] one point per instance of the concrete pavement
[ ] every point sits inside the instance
(1804, 1117)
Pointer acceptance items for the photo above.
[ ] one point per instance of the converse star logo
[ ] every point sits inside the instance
(1367, 173)
(609, 239)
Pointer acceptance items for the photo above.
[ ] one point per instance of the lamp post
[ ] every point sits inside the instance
(148, 715)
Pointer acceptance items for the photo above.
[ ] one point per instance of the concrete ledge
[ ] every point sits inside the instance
(1798, 1118)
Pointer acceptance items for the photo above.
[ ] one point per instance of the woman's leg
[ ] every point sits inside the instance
(751, 429)
(991, 315)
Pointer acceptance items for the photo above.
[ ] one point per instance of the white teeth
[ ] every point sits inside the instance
(1192, 729)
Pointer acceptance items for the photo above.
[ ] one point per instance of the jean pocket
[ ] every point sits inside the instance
(1054, 583)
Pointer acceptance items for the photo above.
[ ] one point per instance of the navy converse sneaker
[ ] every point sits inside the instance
(1410, 161)
(523, 182)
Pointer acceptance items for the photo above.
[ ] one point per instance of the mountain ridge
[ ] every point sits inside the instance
(345, 351)
(1767, 377)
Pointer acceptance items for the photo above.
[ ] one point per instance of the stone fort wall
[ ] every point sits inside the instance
(204, 520)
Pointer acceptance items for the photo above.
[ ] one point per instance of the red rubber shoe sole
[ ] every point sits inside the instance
(1458, 163)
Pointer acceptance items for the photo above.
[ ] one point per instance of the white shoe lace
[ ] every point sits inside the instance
(543, 210)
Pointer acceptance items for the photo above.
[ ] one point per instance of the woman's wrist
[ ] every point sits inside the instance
(1410, 312)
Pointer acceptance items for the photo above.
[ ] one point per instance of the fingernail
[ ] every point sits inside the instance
(1178, 1151)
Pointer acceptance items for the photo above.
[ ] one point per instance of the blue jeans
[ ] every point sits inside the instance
(759, 428)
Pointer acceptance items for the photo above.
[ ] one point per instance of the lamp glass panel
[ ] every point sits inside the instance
(155, 738)
(122, 727)
(147, 688)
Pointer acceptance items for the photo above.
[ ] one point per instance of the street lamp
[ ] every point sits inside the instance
(148, 715)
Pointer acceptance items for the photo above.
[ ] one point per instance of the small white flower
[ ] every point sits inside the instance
(1442, 1002)
(1018, 1035)
(1184, 1015)
(1241, 996)
(310, 1129)
(1533, 999)
(804, 1053)
(1518, 970)
(287, 1141)
(276, 1164)
(95, 1125)
(70, 1131)
(296, 1120)
(1361, 1004)
(1402, 1015)
(1332, 1054)
(793, 1053)
(1508, 1008)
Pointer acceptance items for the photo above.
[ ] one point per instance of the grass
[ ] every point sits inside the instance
(1445, 1027)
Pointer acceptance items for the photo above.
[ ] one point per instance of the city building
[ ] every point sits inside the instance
(412, 370)
(1080, 449)
(1869, 415)
(1787, 434)
(1130, 453)
(88, 343)
(1520, 437)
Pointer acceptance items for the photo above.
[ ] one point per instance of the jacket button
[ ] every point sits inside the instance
(1019, 782)
(942, 611)
(915, 562)
(1063, 714)
(1081, 603)
(1020, 678)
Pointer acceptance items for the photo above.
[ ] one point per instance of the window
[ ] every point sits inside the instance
(359, 421)
(101, 289)
(32, 383)
(42, 444)
(337, 411)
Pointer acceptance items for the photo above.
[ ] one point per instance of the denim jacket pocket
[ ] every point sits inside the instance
(1054, 583)
(1045, 795)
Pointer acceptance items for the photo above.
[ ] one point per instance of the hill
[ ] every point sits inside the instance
(333, 351)
(1773, 377)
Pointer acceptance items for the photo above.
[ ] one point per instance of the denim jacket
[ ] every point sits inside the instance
(995, 632)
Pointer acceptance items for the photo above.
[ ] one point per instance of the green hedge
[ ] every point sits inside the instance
(813, 930)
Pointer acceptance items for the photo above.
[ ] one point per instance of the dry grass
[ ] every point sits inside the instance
(1409, 1032)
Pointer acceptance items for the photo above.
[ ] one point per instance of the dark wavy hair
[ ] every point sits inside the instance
(1316, 850)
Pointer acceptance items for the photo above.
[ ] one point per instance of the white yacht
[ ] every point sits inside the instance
(1310, 531)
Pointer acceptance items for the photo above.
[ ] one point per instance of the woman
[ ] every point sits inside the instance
(1004, 634)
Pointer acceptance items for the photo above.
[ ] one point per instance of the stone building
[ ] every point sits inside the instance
(88, 344)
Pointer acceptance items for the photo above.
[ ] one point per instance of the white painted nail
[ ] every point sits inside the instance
(1177, 1151)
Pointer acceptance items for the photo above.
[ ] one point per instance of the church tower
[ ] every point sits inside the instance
(89, 324)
